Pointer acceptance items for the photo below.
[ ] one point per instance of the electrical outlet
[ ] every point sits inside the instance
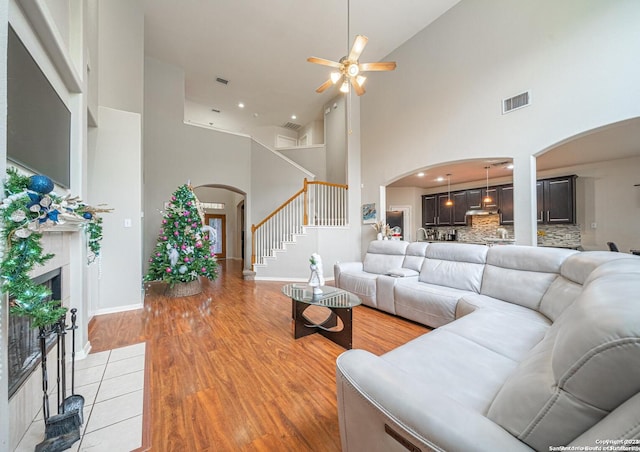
(594, 225)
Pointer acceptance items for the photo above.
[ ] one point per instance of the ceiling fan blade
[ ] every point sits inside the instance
(358, 89)
(324, 86)
(358, 47)
(382, 66)
(323, 62)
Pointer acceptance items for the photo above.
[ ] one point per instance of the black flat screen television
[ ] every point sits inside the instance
(38, 121)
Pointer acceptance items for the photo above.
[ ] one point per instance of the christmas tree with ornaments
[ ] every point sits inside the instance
(183, 252)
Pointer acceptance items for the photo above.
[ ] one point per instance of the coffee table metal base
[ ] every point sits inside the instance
(328, 328)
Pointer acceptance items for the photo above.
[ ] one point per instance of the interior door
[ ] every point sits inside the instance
(218, 223)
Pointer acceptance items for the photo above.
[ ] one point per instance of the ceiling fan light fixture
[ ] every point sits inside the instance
(344, 88)
(353, 70)
(360, 79)
(335, 77)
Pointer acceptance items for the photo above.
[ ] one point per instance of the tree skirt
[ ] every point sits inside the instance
(184, 289)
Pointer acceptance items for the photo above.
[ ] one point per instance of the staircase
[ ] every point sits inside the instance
(318, 204)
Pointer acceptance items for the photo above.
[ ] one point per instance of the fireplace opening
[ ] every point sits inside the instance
(24, 343)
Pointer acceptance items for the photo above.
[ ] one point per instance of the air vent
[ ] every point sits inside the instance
(516, 102)
(215, 110)
(291, 125)
(221, 80)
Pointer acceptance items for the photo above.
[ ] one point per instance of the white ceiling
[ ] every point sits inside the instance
(262, 47)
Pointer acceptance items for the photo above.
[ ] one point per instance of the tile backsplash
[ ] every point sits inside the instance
(485, 226)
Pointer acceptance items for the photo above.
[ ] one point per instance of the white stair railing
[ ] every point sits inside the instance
(316, 204)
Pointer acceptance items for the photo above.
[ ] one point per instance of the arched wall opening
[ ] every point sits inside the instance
(223, 206)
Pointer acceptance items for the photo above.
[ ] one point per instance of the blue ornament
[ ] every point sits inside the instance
(87, 215)
(40, 184)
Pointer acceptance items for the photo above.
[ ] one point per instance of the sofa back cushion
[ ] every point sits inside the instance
(583, 369)
(415, 255)
(573, 273)
(384, 255)
(521, 274)
(454, 265)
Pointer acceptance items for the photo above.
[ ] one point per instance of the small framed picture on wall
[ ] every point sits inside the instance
(369, 213)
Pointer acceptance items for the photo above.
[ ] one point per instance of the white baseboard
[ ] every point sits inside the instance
(82, 354)
(131, 307)
(285, 279)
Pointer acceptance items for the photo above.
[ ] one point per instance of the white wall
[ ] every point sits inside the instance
(335, 135)
(312, 158)
(176, 153)
(443, 103)
(114, 169)
(115, 166)
(121, 52)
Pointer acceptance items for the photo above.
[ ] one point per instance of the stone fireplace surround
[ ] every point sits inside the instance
(27, 401)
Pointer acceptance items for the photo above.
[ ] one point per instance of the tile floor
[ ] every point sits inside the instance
(112, 384)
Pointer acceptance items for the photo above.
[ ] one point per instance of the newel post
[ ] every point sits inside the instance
(305, 218)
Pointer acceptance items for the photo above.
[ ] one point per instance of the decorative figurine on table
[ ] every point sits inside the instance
(316, 279)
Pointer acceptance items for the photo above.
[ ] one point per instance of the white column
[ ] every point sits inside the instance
(525, 200)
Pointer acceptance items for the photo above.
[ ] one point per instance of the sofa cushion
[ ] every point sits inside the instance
(521, 274)
(362, 284)
(402, 272)
(580, 265)
(447, 362)
(558, 391)
(415, 255)
(383, 255)
(429, 304)
(574, 272)
(455, 266)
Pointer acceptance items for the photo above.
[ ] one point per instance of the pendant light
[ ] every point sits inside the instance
(449, 202)
(487, 199)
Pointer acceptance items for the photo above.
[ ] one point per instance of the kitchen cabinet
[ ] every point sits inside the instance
(429, 210)
(444, 211)
(435, 212)
(505, 196)
(492, 192)
(556, 200)
(460, 207)
(474, 199)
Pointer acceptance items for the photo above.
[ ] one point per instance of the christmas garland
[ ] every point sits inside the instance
(28, 209)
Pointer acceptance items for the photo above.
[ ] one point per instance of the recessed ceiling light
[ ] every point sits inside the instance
(294, 117)
(420, 174)
(439, 179)
(240, 105)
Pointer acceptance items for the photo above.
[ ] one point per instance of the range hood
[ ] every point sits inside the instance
(473, 212)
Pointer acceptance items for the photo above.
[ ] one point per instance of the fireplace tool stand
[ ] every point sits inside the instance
(62, 429)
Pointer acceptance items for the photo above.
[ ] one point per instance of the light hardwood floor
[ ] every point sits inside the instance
(224, 373)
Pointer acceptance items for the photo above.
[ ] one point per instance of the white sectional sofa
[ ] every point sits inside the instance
(534, 348)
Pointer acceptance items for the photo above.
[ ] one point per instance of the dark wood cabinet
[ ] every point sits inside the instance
(429, 210)
(460, 207)
(474, 199)
(505, 195)
(558, 200)
(444, 211)
(492, 192)
(555, 197)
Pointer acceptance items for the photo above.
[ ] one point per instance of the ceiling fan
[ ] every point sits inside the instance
(349, 70)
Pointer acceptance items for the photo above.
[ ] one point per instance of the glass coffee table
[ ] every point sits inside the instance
(338, 324)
